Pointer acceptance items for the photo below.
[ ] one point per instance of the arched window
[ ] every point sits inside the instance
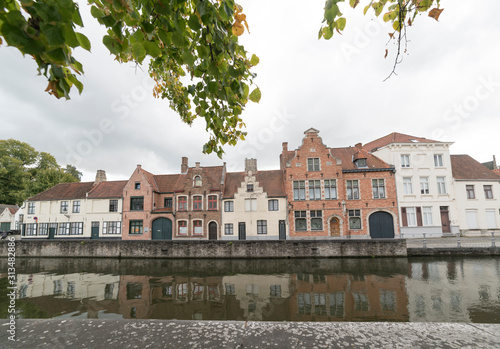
(197, 181)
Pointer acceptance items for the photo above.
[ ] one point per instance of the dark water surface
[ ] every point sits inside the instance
(386, 289)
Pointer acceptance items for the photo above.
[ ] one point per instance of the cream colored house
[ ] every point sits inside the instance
(424, 183)
(254, 205)
(89, 210)
(8, 217)
(477, 190)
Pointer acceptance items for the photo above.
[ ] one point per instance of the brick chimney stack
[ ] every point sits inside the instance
(285, 146)
(184, 164)
(359, 145)
(100, 177)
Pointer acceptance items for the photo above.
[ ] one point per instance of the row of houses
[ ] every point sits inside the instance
(395, 186)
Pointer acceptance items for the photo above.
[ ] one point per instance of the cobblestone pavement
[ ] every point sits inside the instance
(95, 333)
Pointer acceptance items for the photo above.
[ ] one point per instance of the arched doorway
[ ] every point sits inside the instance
(335, 227)
(212, 231)
(162, 229)
(381, 225)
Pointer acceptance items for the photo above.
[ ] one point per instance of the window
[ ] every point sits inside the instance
(407, 186)
(31, 208)
(471, 216)
(424, 185)
(361, 163)
(354, 219)
(64, 207)
(249, 188)
(137, 185)
(76, 206)
(313, 164)
(167, 202)
(197, 181)
(212, 202)
(261, 227)
(300, 221)
(228, 206)
(316, 220)
(135, 227)
(272, 205)
(183, 230)
(76, 228)
(411, 217)
(427, 213)
(228, 229)
(405, 160)
(314, 190)
(136, 203)
(352, 189)
(30, 229)
(488, 192)
(63, 229)
(112, 228)
(330, 189)
(299, 190)
(43, 229)
(470, 192)
(438, 160)
(113, 205)
(378, 188)
(250, 205)
(197, 228)
(275, 290)
(197, 203)
(441, 183)
(182, 202)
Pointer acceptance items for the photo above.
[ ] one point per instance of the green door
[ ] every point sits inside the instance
(162, 229)
(52, 233)
(94, 230)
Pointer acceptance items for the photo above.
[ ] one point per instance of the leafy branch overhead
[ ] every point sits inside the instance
(191, 46)
(400, 13)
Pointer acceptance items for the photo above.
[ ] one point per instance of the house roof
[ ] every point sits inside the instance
(79, 190)
(395, 137)
(465, 167)
(12, 208)
(111, 189)
(347, 155)
(151, 179)
(211, 174)
(270, 181)
(167, 183)
(497, 171)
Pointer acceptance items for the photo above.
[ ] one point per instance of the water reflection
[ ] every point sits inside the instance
(456, 290)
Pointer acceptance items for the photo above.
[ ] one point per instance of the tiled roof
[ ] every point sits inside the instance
(270, 181)
(111, 189)
(64, 191)
(12, 208)
(212, 174)
(465, 167)
(497, 171)
(151, 179)
(346, 155)
(167, 183)
(395, 138)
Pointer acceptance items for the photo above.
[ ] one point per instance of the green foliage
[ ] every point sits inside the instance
(192, 53)
(25, 172)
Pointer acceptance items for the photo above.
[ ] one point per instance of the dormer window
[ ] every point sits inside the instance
(197, 181)
(249, 188)
(360, 162)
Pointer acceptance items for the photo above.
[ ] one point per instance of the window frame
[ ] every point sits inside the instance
(273, 205)
(316, 215)
(197, 202)
(229, 206)
(250, 187)
(137, 203)
(168, 202)
(182, 203)
(424, 186)
(438, 160)
(488, 191)
(427, 219)
(407, 184)
(299, 190)
(314, 189)
(313, 165)
(300, 215)
(111, 228)
(262, 227)
(355, 216)
(212, 203)
(180, 225)
(137, 185)
(441, 184)
(330, 188)
(352, 189)
(64, 207)
(31, 208)
(197, 223)
(250, 205)
(228, 229)
(136, 224)
(405, 160)
(197, 182)
(113, 205)
(470, 191)
(378, 190)
(76, 206)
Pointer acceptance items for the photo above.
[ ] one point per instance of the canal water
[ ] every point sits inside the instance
(384, 289)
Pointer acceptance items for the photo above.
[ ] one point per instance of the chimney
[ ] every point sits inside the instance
(495, 163)
(184, 164)
(285, 146)
(359, 145)
(251, 165)
(197, 164)
(100, 177)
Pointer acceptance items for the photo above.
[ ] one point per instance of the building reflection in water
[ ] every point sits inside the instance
(452, 290)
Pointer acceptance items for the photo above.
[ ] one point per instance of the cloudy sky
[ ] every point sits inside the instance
(447, 88)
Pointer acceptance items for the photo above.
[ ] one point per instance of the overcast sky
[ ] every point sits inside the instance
(447, 88)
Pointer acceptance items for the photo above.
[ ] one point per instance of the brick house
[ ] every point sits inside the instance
(338, 192)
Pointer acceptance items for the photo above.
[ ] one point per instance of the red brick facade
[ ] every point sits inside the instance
(331, 191)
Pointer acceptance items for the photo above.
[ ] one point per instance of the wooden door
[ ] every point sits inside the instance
(212, 231)
(445, 219)
(242, 234)
(334, 227)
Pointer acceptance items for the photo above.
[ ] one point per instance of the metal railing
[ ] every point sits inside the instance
(456, 241)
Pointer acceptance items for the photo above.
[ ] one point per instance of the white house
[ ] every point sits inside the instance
(76, 210)
(8, 217)
(424, 183)
(477, 192)
(254, 205)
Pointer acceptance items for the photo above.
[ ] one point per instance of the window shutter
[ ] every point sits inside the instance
(419, 216)
(404, 219)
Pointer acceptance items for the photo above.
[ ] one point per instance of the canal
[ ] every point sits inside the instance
(378, 289)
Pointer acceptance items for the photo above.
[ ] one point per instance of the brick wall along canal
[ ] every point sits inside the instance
(387, 289)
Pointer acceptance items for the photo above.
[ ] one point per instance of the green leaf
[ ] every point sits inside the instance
(202, 51)
(139, 52)
(113, 46)
(53, 35)
(254, 60)
(194, 23)
(70, 37)
(341, 22)
(152, 49)
(255, 95)
(327, 33)
(76, 82)
(84, 41)
(96, 12)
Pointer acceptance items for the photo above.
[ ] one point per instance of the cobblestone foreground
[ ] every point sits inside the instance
(79, 333)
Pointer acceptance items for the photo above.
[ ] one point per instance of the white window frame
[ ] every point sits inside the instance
(229, 206)
(250, 205)
(438, 160)
(441, 184)
(228, 229)
(313, 165)
(427, 215)
(405, 160)
(411, 216)
(272, 205)
(424, 186)
(378, 190)
(407, 186)
(31, 208)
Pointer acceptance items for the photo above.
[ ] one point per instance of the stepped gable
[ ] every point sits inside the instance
(395, 137)
(111, 189)
(74, 190)
(465, 167)
(271, 182)
(232, 183)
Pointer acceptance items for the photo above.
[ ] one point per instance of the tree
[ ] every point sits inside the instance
(191, 46)
(25, 172)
